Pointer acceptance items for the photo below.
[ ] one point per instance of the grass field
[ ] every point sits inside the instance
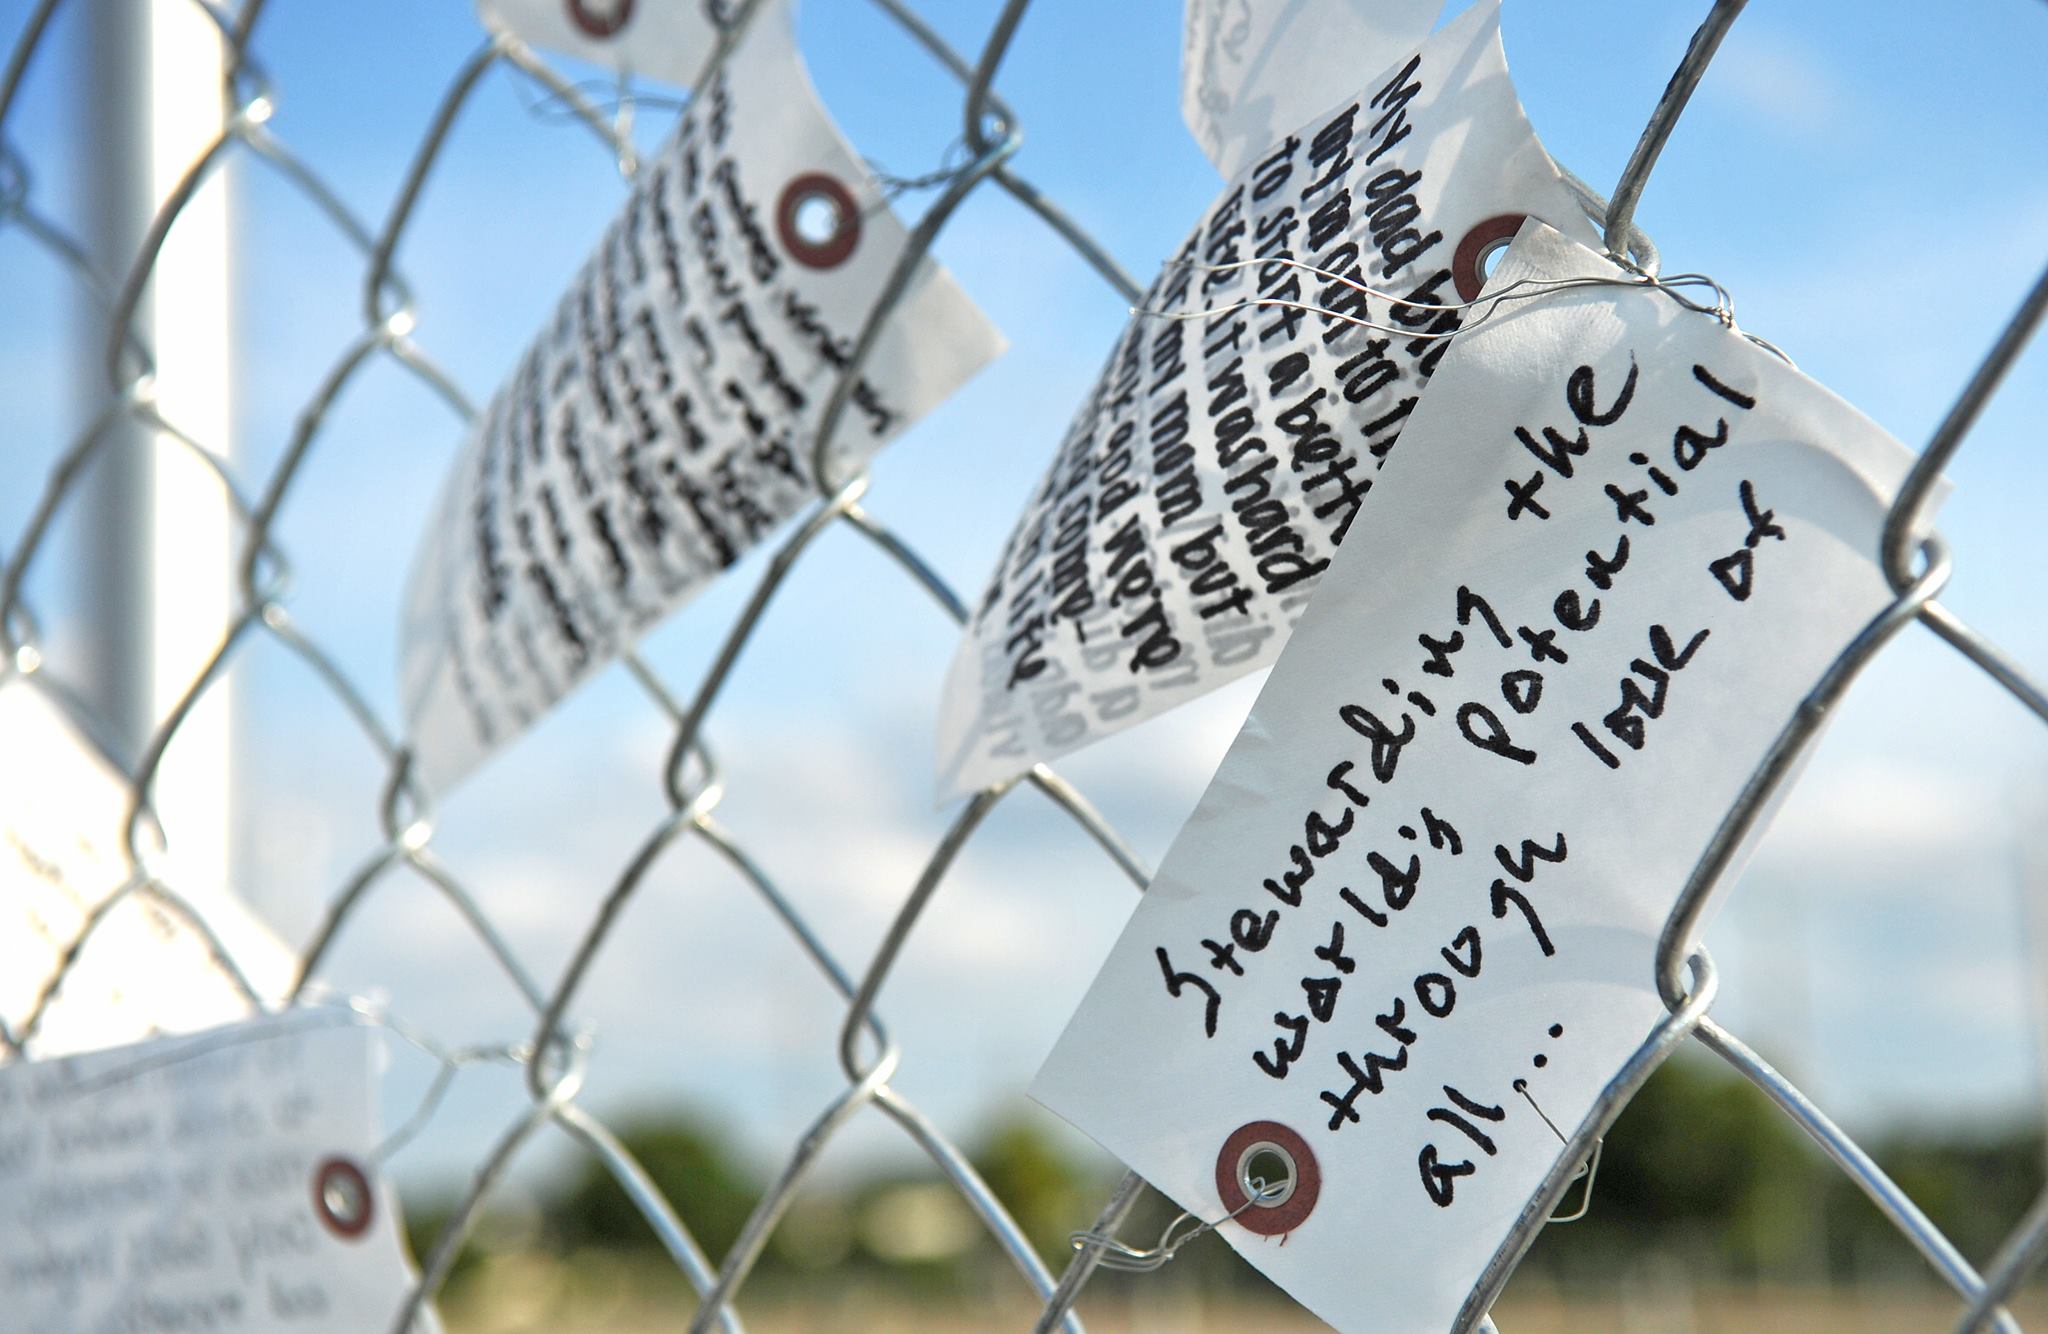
(529, 1295)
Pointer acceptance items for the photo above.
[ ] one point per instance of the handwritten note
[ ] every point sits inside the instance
(1219, 461)
(142, 971)
(666, 40)
(1422, 896)
(223, 1181)
(1251, 70)
(663, 423)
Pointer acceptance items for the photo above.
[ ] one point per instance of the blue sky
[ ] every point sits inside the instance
(1868, 180)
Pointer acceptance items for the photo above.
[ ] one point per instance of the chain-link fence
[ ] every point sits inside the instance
(555, 1055)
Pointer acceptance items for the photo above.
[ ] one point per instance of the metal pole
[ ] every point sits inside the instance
(115, 631)
(157, 530)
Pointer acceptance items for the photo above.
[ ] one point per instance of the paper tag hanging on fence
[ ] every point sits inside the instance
(664, 422)
(1219, 460)
(1251, 70)
(667, 40)
(143, 970)
(1421, 898)
(221, 1181)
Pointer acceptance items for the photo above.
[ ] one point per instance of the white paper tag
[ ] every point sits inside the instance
(666, 40)
(143, 971)
(1618, 545)
(220, 1181)
(1201, 490)
(663, 423)
(1251, 70)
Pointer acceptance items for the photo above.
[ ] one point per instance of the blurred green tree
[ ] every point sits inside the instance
(1702, 1166)
(1973, 1187)
(692, 1162)
(1047, 1190)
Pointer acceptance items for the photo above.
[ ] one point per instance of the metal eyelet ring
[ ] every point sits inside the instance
(1467, 265)
(342, 1198)
(1288, 1208)
(817, 187)
(598, 19)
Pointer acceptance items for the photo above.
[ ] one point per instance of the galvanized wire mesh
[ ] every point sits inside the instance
(554, 1056)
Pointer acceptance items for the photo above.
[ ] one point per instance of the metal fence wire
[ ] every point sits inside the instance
(554, 1058)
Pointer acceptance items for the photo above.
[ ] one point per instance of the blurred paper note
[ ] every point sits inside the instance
(1199, 494)
(215, 1182)
(143, 970)
(665, 40)
(663, 422)
(1421, 899)
(1251, 70)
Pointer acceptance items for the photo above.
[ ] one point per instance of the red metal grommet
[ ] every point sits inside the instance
(342, 1198)
(600, 20)
(1481, 241)
(831, 252)
(1288, 1210)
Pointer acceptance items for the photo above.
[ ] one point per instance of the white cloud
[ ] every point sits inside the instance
(1789, 87)
(1883, 810)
